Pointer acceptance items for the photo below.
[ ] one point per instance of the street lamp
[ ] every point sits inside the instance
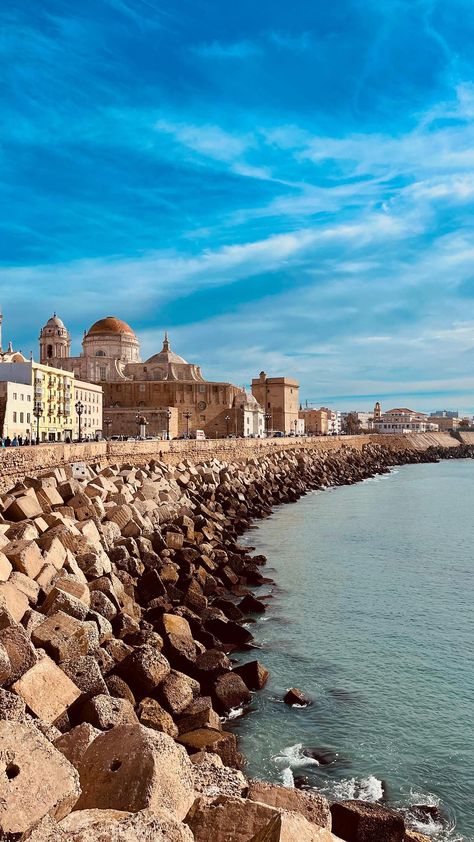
(227, 419)
(108, 424)
(168, 419)
(295, 422)
(267, 417)
(187, 415)
(37, 412)
(79, 412)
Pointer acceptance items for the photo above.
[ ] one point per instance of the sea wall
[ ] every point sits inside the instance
(18, 462)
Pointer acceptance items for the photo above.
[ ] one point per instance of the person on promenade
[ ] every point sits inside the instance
(20, 440)
(15, 442)
(8, 441)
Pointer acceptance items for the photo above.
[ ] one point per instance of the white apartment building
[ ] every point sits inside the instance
(16, 406)
(334, 421)
(88, 408)
(404, 421)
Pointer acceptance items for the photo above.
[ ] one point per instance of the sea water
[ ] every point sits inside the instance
(372, 616)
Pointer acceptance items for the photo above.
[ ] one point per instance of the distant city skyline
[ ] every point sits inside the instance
(282, 187)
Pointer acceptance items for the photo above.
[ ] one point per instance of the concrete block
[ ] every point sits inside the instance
(62, 637)
(26, 507)
(38, 781)
(106, 712)
(47, 690)
(24, 556)
(26, 585)
(21, 653)
(132, 768)
(75, 743)
(5, 567)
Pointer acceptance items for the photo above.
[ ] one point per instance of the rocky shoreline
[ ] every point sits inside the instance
(123, 592)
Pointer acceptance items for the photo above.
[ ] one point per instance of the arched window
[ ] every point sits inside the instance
(49, 351)
(100, 353)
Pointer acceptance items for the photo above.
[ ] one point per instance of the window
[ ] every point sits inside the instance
(102, 372)
(28, 398)
(49, 351)
(100, 353)
(22, 417)
(22, 397)
(202, 388)
(15, 396)
(28, 418)
(14, 417)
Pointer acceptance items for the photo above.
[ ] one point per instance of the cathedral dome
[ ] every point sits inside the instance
(55, 322)
(110, 326)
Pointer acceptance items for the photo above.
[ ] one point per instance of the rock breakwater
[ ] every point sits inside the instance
(123, 593)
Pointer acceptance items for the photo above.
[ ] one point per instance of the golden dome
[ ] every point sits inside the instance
(110, 325)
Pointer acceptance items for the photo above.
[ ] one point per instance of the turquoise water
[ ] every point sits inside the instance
(372, 616)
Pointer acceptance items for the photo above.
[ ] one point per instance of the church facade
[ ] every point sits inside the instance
(165, 390)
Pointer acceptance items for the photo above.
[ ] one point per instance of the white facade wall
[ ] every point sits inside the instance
(18, 418)
(91, 397)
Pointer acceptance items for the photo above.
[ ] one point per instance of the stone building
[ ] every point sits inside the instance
(315, 421)
(165, 383)
(279, 396)
(403, 420)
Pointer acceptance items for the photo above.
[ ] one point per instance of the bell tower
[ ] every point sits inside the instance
(377, 412)
(55, 342)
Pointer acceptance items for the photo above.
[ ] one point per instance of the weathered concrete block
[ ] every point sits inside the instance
(361, 821)
(47, 690)
(54, 550)
(105, 712)
(5, 666)
(20, 651)
(144, 669)
(24, 556)
(199, 714)
(62, 637)
(229, 691)
(253, 674)
(314, 807)
(119, 826)
(212, 778)
(37, 779)
(152, 715)
(222, 743)
(26, 585)
(60, 600)
(12, 707)
(13, 601)
(173, 624)
(23, 508)
(46, 576)
(133, 768)
(86, 674)
(75, 742)
(5, 567)
(175, 693)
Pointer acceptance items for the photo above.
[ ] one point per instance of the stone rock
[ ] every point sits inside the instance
(180, 650)
(119, 826)
(12, 600)
(236, 819)
(228, 632)
(286, 827)
(414, 836)
(175, 693)
(144, 669)
(63, 637)
(212, 778)
(26, 585)
(24, 556)
(36, 779)
(361, 821)
(152, 715)
(253, 674)
(296, 697)
(47, 690)
(5, 666)
(133, 768)
(75, 742)
(251, 605)
(60, 600)
(199, 714)
(119, 688)
(12, 707)
(229, 691)
(173, 624)
(23, 508)
(222, 743)
(5, 567)
(19, 649)
(314, 807)
(107, 712)
(86, 674)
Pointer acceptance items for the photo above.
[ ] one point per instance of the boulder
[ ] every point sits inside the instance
(175, 693)
(361, 821)
(75, 742)
(119, 826)
(173, 624)
(5, 567)
(144, 669)
(47, 690)
(229, 818)
(229, 691)
(21, 653)
(12, 707)
(14, 601)
(314, 807)
(133, 768)
(36, 780)
(24, 556)
(86, 674)
(152, 715)
(296, 697)
(63, 637)
(222, 743)
(105, 712)
(199, 714)
(23, 508)
(5, 666)
(253, 674)
(212, 778)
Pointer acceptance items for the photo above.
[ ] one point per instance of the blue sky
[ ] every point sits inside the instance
(286, 186)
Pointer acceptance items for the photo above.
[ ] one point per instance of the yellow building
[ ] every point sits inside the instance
(315, 420)
(279, 397)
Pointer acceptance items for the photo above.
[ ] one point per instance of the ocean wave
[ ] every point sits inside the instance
(360, 789)
(441, 827)
(292, 759)
(234, 713)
